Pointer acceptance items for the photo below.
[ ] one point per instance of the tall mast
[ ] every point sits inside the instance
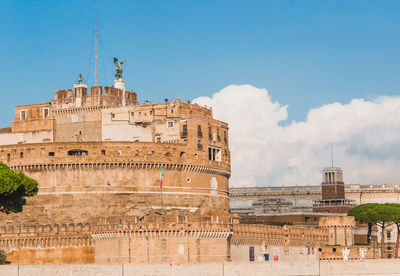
(95, 42)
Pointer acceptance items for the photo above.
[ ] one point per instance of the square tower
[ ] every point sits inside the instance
(332, 184)
(333, 198)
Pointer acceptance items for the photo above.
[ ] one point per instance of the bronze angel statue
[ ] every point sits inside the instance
(118, 68)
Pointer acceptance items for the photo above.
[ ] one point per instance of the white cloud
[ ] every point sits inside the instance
(365, 135)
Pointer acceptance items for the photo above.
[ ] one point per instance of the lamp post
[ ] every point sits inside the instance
(373, 249)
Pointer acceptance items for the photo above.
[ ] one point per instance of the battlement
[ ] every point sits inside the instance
(78, 97)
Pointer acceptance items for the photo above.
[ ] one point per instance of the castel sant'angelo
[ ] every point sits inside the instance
(125, 182)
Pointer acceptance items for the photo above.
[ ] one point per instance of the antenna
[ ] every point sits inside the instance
(332, 154)
(95, 42)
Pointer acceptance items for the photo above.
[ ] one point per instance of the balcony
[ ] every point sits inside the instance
(334, 202)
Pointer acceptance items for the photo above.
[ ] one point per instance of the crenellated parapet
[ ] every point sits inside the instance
(276, 235)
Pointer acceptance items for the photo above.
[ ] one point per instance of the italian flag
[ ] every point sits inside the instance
(161, 175)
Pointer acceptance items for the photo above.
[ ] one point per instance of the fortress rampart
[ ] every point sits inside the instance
(191, 238)
(84, 181)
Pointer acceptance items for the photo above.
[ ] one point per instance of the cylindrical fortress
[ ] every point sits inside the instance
(88, 180)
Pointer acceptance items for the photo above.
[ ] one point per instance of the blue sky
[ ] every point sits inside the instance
(305, 53)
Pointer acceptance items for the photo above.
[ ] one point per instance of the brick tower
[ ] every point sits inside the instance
(333, 195)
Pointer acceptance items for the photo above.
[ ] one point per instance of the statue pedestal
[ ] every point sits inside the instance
(119, 83)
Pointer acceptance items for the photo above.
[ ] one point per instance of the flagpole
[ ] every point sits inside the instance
(161, 184)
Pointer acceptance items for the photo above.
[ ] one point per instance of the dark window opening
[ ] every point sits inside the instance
(251, 253)
(51, 153)
(199, 145)
(218, 137)
(182, 154)
(214, 154)
(209, 134)
(184, 132)
(21, 154)
(8, 157)
(306, 219)
(199, 133)
(103, 152)
(78, 153)
(388, 234)
(225, 138)
(333, 249)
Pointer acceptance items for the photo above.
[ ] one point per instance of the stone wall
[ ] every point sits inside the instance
(302, 197)
(311, 268)
(156, 238)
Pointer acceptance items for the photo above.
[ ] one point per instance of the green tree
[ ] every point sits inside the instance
(395, 218)
(384, 214)
(3, 257)
(363, 214)
(14, 187)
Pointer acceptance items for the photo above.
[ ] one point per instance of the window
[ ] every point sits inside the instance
(112, 115)
(172, 111)
(214, 154)
(225, 138)
(199, 145)
(170, 124)
(218, 137)
(184, 132)
(51, 153)
(21, 154)
(22, 115)
(158, 139)
(388, 234)
(78, 153)
(151, 112)
(251, 253)
(45, 113)
(8, 157)
(103, 152)
(209, 134)
(132, 113)
(199, 134)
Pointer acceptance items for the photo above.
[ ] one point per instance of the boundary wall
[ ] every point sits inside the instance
(361, 267)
